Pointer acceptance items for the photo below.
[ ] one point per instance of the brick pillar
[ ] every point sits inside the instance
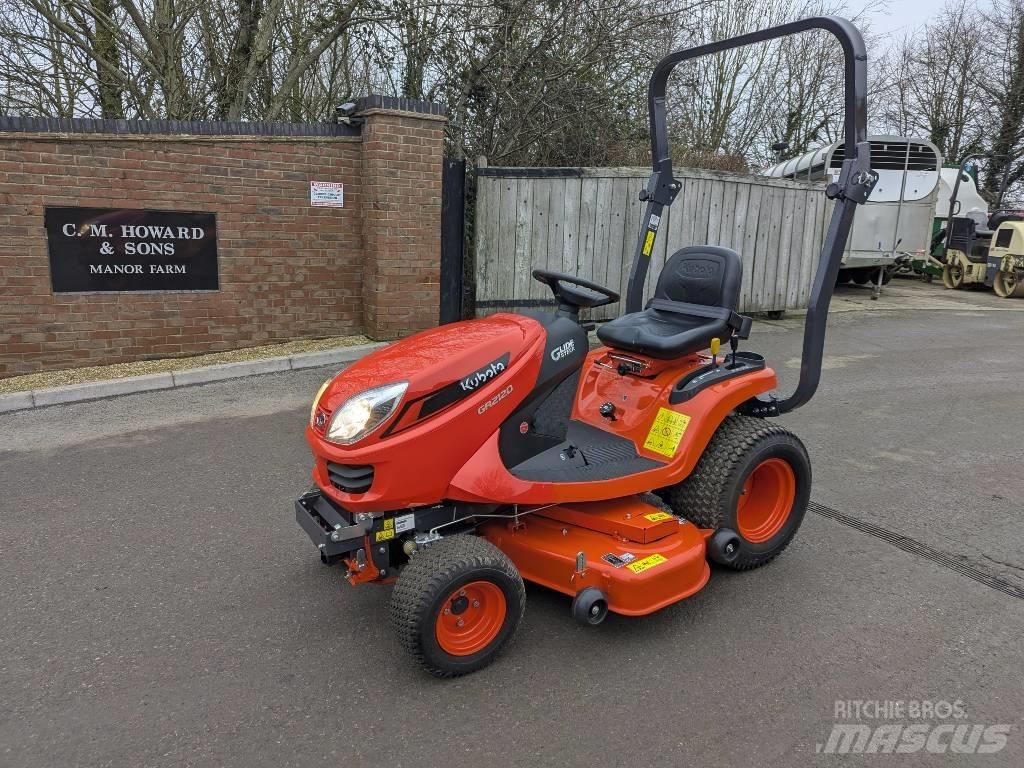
(403, 148)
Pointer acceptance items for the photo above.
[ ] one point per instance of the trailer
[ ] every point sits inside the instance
(896, 223)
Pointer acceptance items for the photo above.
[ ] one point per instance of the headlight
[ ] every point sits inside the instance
(316, 400)
(363, 413)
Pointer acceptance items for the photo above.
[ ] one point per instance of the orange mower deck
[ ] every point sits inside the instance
(641, 558)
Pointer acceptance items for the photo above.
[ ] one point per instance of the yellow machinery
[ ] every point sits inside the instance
(984, 248)
(1008, 249)
(992, 257)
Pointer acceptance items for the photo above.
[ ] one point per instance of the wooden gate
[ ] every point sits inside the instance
(585, 221)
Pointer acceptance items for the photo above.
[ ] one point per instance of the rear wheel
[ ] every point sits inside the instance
(953, 276)
(457, 604)
(753, 478)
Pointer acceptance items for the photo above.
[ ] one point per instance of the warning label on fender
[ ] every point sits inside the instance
(651, 561)
(657, 517)
(666, 432)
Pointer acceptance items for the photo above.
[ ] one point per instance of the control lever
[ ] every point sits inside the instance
(716, 344)
(734, 344)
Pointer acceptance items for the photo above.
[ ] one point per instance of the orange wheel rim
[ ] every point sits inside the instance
(766, 501)
(470, 618)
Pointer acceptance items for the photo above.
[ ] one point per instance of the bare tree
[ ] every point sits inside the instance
(933, 78)
(1004, 88)
(526, 82)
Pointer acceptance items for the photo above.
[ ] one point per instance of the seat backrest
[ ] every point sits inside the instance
(702, 274)
(962, 233)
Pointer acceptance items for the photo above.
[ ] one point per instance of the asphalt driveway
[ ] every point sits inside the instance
(159, 606)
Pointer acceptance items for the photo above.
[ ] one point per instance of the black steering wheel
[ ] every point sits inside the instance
(575, 291)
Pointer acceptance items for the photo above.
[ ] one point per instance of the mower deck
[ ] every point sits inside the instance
(641, 558)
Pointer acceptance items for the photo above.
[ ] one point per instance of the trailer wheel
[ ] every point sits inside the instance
(457, 604)
(753, 478)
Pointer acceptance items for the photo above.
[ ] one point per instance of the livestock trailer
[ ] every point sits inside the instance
(897, 220)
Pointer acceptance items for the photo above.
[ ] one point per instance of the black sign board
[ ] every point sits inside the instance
(102, 249)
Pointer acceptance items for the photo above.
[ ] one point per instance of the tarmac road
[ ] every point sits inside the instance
(159, 606)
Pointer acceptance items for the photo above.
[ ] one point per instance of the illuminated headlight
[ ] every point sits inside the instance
(363, 413)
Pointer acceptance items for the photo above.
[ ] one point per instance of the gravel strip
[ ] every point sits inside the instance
(49, 379)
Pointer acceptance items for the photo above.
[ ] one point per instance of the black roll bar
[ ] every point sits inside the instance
(856, 180)
(968, 159)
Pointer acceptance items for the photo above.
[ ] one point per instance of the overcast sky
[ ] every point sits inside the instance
(905, 15)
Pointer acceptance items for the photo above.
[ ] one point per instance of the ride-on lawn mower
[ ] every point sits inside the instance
(469, 457)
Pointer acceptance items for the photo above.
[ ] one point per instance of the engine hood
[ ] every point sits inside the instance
(441, 364)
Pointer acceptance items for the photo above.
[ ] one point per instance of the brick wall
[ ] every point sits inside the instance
(402, 184)
(287, 270)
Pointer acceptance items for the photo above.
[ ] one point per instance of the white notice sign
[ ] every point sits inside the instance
(330, 194)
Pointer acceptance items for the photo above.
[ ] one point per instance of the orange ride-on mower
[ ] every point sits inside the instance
(462, 460)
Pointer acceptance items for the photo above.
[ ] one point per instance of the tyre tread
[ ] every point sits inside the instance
(699, 498)
(427, 573)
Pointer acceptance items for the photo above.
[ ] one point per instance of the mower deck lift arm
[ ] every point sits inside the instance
(855, 182)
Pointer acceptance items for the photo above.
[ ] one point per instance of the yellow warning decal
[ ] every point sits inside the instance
(666, 432)
(648, 243)
(647, 563)
(388, 532)
(657, 517)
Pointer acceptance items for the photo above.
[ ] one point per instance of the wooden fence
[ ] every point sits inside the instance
(585, 221)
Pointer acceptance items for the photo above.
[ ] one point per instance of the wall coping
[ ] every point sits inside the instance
(90, 125)
(376, 101)
(404, 113)
(177, 137)
(277, 130)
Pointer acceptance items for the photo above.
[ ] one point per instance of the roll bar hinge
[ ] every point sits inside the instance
(658, 192)
(755, 406)
(856, 179)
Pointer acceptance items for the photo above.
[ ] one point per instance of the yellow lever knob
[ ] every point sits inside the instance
(716, 343)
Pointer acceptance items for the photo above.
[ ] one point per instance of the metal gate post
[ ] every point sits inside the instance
(453, 221)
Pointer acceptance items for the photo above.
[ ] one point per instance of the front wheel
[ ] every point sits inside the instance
(1006, 285)
(753, 478)
(457, 604)
(953, 276)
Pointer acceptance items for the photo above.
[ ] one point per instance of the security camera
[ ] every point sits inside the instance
(343, 114)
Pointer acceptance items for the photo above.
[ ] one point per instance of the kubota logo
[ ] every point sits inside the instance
(565, 349)
(698, 269)
(478, 378)
(495, 400)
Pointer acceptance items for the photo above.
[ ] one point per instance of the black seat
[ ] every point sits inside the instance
(970, 239)
(695, 301)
